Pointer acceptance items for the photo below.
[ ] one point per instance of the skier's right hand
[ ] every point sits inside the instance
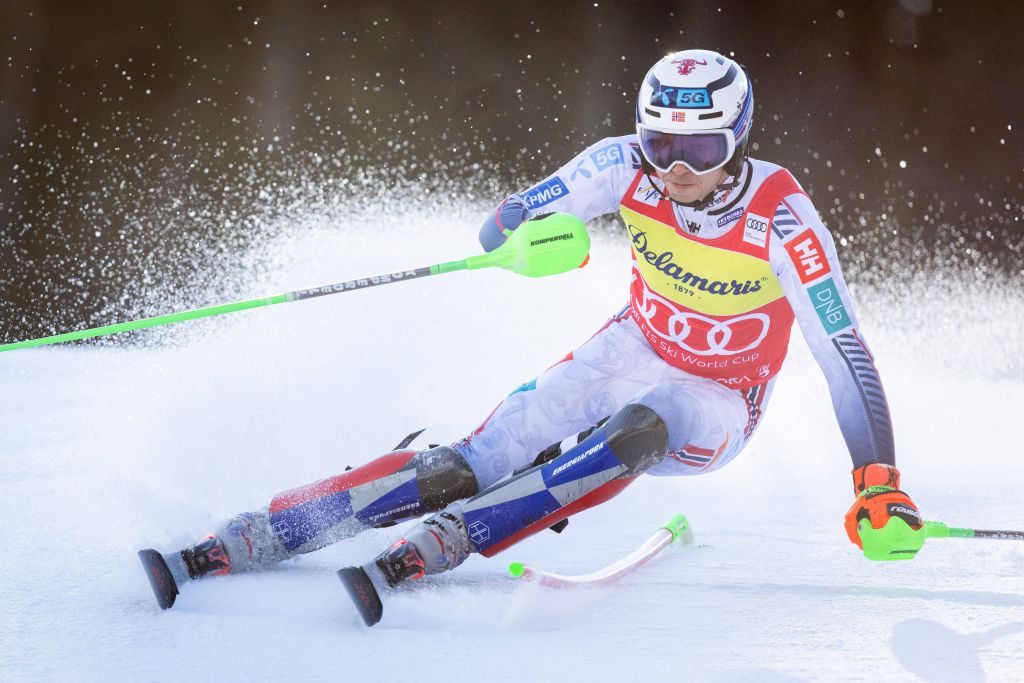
(883, 521)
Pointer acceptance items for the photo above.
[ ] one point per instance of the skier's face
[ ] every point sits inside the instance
(685, 186)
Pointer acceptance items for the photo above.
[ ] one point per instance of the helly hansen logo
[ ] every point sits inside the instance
(807, 255)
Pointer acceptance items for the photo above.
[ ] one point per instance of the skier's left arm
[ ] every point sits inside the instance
(803, 256)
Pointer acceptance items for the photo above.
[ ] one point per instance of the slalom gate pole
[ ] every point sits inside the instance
(556, 243)
(940, 530)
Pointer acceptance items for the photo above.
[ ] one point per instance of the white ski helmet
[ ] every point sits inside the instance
(695, 108)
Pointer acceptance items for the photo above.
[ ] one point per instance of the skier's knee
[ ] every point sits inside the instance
(443, 476)
(638, 437)
(679, 406)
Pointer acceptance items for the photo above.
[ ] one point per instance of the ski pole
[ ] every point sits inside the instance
(898, 541)
(556, 243)
(676, 528)
(940, 530)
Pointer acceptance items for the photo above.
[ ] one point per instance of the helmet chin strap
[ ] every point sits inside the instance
(702, 204)
(730, 182)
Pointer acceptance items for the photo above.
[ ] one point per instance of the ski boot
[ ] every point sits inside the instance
(400, 562)
(246, 542)
(207, 557)
(446, 545)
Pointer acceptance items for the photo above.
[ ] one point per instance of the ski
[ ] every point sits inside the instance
(363, 593)
(160, 579)
(677, 527)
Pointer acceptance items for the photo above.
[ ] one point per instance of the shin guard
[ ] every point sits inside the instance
(631, 442)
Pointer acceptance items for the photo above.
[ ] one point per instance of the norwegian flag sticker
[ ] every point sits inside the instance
(679, 117)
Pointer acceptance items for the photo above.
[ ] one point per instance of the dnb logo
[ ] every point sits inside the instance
(545, 193)
(479, 532)
(807, 255)
(686, 66)
(831, 312)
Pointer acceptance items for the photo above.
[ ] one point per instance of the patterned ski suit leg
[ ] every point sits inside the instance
(614, 373)
(708, 423)
(585, 387)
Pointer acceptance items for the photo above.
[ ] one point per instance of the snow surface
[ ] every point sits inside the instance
(107, 450)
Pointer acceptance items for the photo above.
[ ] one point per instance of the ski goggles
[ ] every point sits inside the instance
(700, 151)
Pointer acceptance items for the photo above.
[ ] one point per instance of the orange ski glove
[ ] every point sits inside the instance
(879, 501)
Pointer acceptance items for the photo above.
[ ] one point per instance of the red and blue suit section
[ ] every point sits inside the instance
(394, 487)
(631, 442)
(312, 516)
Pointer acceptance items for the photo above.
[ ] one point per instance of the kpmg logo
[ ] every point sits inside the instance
(664, 262)
(545, 193)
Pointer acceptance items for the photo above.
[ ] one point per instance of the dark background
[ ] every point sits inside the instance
(145, 146)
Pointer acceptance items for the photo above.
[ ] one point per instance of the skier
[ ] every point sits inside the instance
(727, 252)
